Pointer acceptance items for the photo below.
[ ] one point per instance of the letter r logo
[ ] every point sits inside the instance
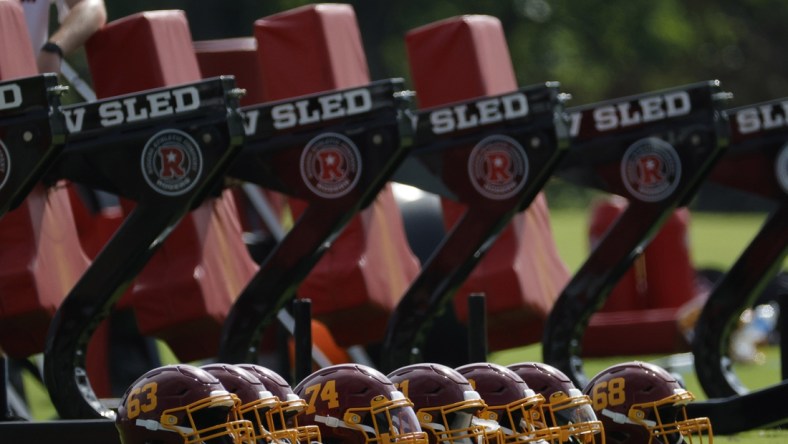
(171, 162)
(650, 169)
(498, 170)
(330, 162)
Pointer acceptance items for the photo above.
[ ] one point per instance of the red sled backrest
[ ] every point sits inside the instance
(186, 290)
(237, 57)
(310, 49)
(318, 48)
(458, 59)
(143, 51)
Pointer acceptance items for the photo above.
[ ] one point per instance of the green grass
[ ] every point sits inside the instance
(715, 240)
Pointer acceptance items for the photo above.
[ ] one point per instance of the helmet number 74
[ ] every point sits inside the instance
(327, 392)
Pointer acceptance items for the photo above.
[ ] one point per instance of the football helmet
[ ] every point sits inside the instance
(180, 404)
(356, 404)
(510, 402)
(565, 407)
(640, 402)
(281, 418)
(445, 403)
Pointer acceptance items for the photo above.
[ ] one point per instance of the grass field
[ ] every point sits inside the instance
(715, 241)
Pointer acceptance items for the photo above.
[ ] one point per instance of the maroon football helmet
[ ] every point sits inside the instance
(180, 404)
(281, 418)
(445, 403)
(356, 404)
(640, 402)
(566, 407)
(510, 402)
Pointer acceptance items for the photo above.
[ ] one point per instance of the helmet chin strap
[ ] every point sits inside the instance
(154, 425)
(621, 418)
(336, 422)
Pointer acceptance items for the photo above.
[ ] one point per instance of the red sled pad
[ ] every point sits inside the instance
(318, 48)
(187, 289)
(522, 274)
(641, 314)
(40, 261)
(362, 277)
(146, 50)
(16, 52)
(634, 332)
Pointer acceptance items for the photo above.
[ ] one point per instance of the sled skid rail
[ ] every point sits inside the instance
(753, 164)
(77, 431)
(738, 413)
(653, 149)
(459, 163)
(32, 133)
(165, 149)
(299, 147)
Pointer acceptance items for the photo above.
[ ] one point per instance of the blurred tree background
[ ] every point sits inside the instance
(597, 49)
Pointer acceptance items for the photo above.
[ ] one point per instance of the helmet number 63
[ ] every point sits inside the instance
(608, 393)
(141, 399)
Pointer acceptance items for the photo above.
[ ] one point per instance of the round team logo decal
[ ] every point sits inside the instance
(651, 169)
(781, 168)
(5, 164)
(498, 167)
(330, 165)
(171, 162)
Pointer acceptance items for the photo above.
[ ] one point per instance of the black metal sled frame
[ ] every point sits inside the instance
(453, 157)
(288, 141)
(165, 149)
(32, 133)
(683, 130)
(757, 162)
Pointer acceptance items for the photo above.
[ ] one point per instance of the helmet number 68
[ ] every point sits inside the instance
(608, 393)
